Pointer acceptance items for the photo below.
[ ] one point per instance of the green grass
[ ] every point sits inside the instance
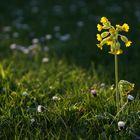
(75, 67)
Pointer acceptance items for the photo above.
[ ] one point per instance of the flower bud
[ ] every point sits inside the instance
(124, 38)
(121, 125)
(100, 46)
(107, 25)
(93, 92)
(55, 98)
(104, 34)
(130, 98)
(117, 45)
(40, 108)
(25, 93)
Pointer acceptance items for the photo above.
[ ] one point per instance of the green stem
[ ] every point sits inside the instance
(116, 80)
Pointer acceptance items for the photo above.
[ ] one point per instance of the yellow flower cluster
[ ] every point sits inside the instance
(111, 36)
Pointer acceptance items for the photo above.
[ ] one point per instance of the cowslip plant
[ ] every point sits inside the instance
(111, 36)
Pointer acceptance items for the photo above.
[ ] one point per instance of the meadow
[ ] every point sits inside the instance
(55, 83)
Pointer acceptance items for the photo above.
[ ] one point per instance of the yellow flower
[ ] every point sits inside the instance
(109, 42)
(125, 27)
(133, 85)
(124, 38)
(128, 43)
(104, 20)
(119, 51)
(99, 27)
(111, 31)
(99, 38)
(100, 46)
(111, 36)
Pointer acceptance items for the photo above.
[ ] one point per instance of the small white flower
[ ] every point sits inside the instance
(25, 51)
(25, 93)
(48, 36)
(112, 87)
(32, 120)
(45, 60)
(121, 125)
(55, 98)
(130, 98)
(65, 37)
(7, 28)
(35, 41)
(93, 92)
(102, 85)
(51, 87)
(13, 46)
(39, 108)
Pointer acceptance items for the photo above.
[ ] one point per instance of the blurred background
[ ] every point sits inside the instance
(68, 29)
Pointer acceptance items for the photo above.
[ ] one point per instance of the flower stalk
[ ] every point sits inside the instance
(116, 82)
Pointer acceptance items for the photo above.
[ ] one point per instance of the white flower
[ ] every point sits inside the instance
(55, 98)
(35, 41)
(25, 93)
(40, 108)
(130, 98)
(48, 36)
(7, 28)
(65, 37)
(45, 60)
(13, 46)
(93, 92)
(25, 51)
(121, 125)
(32, 120)
(102, 85)
(112, 87)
